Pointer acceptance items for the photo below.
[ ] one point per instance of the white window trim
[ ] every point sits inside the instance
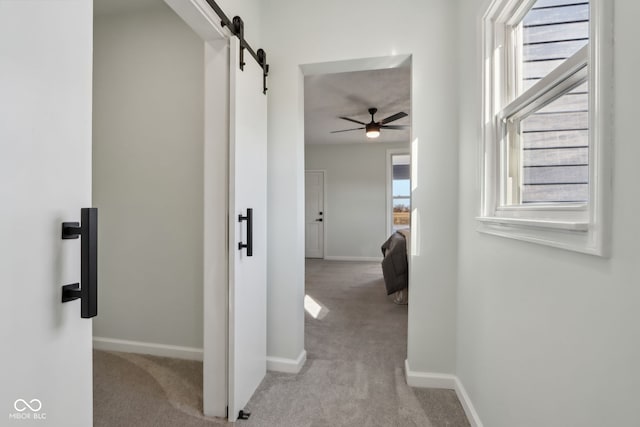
(576, 227)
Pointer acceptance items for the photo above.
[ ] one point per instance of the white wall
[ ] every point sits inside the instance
(549, 337)
(148, 176)
(356, 194)
(304, 32)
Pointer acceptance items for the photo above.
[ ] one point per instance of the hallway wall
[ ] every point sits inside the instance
(306, 32)
(148, 176)
(356, 194)
(548, 337)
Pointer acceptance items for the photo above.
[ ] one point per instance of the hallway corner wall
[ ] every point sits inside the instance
(325, 32)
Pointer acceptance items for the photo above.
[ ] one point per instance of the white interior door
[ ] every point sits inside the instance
(314, 214)
(248, 190)
(45, 179)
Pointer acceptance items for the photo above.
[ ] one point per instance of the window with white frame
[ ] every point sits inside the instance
(401, 191)
(398, 189)
(546, 115)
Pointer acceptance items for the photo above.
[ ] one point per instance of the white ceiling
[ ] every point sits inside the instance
(329, 96)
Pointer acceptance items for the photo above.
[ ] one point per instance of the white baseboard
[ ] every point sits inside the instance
(289, 366)
(428, 379)
(468, 407)
(354, 258)
(448, 381)
(163, 350)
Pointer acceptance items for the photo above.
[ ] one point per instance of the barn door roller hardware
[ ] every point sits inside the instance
(237, 28)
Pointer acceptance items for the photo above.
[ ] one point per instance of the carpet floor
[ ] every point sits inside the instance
(354, 375)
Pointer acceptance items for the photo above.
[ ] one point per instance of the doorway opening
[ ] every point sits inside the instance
(148, 134)
(357, 155)
(155, 193)
(357, 119)
(186, 146)
(357, 126)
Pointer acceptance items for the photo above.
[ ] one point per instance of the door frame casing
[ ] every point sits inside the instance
(324, 208)
(215, 254)
(198, 15)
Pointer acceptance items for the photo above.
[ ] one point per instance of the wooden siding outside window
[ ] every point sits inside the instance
(554, 139)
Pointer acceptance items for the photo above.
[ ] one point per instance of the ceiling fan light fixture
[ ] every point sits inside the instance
(373, 130)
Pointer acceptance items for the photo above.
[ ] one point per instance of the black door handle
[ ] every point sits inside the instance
(87, 289)
(319, 220)
(249, 244)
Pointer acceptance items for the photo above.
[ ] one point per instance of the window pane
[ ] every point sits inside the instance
(401, 191)
(401, 187)
(401, 212)
(555, 150)
(401, 166)
(552, 31)
(401, 203)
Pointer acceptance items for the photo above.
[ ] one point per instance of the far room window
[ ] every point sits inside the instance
(400, 191)
(545, 78)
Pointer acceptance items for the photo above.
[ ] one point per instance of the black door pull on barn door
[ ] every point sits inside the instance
(249, 245)
(87, 289)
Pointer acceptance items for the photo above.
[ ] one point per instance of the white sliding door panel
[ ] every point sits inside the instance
(247, 190)
(45, 179)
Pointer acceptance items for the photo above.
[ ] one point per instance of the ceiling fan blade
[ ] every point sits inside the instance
(351, 120)
(346, 130)
(395, 127)
(395, 117)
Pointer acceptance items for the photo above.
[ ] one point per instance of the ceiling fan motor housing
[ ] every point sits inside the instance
(372, 127)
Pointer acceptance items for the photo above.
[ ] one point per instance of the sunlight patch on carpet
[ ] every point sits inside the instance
(315, 308)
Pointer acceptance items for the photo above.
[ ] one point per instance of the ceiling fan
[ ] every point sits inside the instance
(372, 128)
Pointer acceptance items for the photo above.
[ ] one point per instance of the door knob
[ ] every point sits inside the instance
(319, 220)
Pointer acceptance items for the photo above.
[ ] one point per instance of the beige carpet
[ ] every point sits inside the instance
(354, 374)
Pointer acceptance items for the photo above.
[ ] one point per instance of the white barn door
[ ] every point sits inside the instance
(45, 179)
(235, 347)
(247, 198)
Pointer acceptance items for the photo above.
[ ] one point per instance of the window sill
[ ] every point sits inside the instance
(536, 223)
(569, 235)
